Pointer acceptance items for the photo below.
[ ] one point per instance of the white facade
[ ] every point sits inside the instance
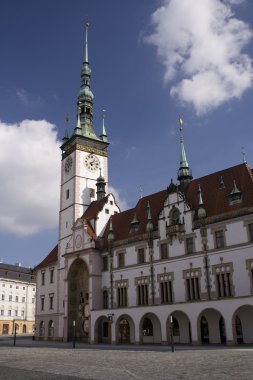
(17, 302)
(183, 255)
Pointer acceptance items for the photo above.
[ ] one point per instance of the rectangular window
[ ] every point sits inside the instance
(51, 301)
(219, 239)
(10, 286)
(121, 259)
(17, 287)
(250, 226)
(22, 313)
(122, 296)
(164, 251)
(141, 256)
(16, 299)
(105, 263)
(16, 313)
(224, 286)
(67, 194)
(9, 313)
(107, 211)
(23, 287)
(2, 312)
(42, 305)
(51, 275)
(23, 299)
(189, 245)
(192, 289)
(142, 294)
(33, 300)
(10, 298)
(2, 297)
(42, 278)
(166, 291)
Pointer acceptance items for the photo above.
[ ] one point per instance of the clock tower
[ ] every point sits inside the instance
(84, 157)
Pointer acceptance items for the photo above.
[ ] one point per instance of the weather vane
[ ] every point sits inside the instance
(243, 155)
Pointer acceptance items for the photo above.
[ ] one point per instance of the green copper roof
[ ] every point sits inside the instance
(103, 136)
(184, 170)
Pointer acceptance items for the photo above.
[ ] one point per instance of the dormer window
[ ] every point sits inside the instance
(134, 224)
(235, 196)
(221, 183)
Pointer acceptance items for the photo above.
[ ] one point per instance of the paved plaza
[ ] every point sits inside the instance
(55, 360)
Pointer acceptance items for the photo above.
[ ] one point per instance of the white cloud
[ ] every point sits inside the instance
(200, 43)
(30, 177)
(120, 200)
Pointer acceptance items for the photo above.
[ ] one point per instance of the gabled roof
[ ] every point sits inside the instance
(94, 208)
(121, 223)
(51, 258)
(216, 198)
(16, 272)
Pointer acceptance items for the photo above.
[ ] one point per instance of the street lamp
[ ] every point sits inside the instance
(171, 334)
(15, 334)
(74, 334)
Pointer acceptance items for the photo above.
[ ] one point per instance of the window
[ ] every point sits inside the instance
(105, 299)
(141, 256)
(192, 284)
(166, 291)
(105, 263)
(189, 245)
(33, 289)
(33, 300)
(121, 259)
(107, 211)
(164, 251)
(2, 297)
(22, 313)
(42, 305)
(9, 313)
(16, 313)
(51, 301)
(23, 299)
(224, 286)
(23, 287)
(142, 294)
(250, 227)
(16, 299)
(122, 296)
(111, 202)
(2, 312)
(175, 217)
(219, 239)
(17, 287)
(10, 286)
(42, 278)
(67, 194)
(10, 298)
(51, 275)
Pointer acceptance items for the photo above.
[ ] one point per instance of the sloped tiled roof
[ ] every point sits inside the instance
(94, 208)
(51, 258)
(216, 199)
(16, 272)
(121, 222)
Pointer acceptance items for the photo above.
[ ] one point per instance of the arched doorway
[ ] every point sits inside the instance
(211, 327)
(42, 329)
(78, 301)
(50, 329)
(242, 324)
(181, 328)
(222, 328)
(24, 329)
(150, 329)
(102, 330)
(125, 330)
(204, 330)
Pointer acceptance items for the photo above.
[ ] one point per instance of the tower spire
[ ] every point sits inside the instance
(184, 172)
(86, 57)
(103, 136)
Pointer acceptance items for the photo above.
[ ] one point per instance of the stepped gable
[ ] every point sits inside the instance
(216, 197)
(51, 258)
(121, 223)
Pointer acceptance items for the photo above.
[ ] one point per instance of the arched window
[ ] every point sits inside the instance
(24, 329)
(105, 299)
(175, 216)
(50, 329)
(147, 327)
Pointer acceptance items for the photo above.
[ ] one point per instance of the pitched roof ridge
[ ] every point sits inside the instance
(216, 173)
(49, 259)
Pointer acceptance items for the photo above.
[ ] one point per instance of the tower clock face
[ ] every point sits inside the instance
(92, 162)
(68, 164)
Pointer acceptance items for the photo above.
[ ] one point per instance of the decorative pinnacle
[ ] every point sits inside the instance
(87, 25)
(243, 155)
(181, 122)
(200, 196)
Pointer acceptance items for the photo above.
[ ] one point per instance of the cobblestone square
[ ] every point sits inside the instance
(52, 360)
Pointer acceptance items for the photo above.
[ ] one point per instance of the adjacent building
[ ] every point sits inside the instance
(17, 302)
(179, 264)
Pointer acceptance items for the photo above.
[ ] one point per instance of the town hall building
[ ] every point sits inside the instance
(179, 265)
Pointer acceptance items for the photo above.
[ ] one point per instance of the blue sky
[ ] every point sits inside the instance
(151, 61)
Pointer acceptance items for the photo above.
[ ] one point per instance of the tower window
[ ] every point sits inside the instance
(107, 211)
(67, 194)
